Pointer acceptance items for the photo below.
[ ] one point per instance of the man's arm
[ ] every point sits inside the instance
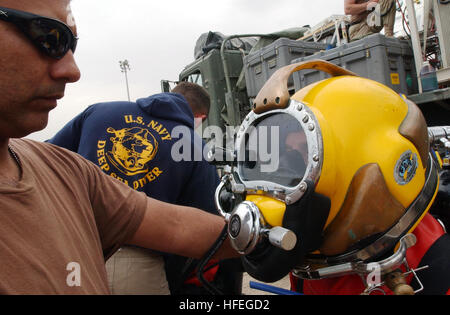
(353, 8)
(180, 230)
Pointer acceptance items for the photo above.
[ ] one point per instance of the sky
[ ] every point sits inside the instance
(158, 39)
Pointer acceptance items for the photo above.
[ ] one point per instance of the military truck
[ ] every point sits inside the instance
(233, 73)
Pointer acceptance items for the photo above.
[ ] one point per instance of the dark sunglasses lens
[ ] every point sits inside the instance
(52, 37)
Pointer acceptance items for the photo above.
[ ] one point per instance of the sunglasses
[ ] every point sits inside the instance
(51, 36)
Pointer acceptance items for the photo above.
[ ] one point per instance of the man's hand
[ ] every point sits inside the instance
(353, 8)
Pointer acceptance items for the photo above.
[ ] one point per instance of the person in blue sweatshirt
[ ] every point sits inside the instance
(150, 145)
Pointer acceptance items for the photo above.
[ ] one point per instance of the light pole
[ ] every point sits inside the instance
(125, 67)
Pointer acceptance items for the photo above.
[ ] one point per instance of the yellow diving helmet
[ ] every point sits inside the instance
(352, 174)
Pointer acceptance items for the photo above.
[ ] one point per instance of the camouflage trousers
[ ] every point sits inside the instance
(376, 21)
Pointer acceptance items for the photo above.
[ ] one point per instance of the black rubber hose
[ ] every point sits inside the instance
(207, 257)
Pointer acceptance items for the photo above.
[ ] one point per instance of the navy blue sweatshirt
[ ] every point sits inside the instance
(133, 143)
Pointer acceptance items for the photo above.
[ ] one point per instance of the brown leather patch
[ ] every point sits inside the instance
(368, 208)
(274, 94)
(414, 128)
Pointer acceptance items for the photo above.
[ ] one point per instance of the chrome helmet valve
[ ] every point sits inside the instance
(246, 227)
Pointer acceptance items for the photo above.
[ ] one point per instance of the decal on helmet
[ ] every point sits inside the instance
(235, 226)
(405, 168)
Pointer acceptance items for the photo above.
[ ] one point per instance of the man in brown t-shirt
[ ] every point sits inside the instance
(364, 23)
(60, 216)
